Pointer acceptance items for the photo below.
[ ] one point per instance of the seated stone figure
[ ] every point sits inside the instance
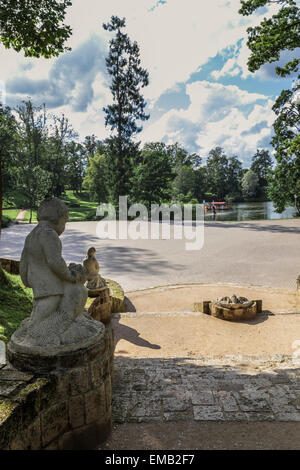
(91, 266)
(57, 319)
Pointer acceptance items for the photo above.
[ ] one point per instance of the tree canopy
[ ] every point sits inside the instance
(284, 187)
(34, 26)
(273, 35)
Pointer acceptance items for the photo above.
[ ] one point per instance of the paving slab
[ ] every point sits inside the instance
(203, 389)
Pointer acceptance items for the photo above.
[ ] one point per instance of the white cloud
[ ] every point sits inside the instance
(218, 115)
(176, 39)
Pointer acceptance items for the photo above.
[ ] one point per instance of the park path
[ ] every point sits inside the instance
(262, 253)
(20, 217)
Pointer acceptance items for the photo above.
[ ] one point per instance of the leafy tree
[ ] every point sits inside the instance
(250, 184)
(123, 65)
(96, 178)
(278, 33)
(185, 181)
(34, 26)
(60, 136)
(234, 178)
(32, 130)
(217, 170)
(7, 142)
(35, 185)
(284, 183)
(261, 165)
(153, 175)
(181, 157)
(75, 166)
(201, 183)
(91, 144)
(266, 41)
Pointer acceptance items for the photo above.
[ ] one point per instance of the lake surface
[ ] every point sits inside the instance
(251, 211)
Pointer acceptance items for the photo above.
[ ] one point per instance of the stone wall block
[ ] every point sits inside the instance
(54, 422)
(30, 438)
(96, 373)
(87, 437)
(79, 380)
(95, 404)
(76, 411)
(108, 392)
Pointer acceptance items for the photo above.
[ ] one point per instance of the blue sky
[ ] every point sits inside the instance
(201, 93)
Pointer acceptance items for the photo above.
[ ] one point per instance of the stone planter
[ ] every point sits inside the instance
(234, 312)
(100, 309)
(230, 311)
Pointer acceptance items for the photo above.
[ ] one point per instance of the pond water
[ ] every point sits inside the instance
(251, 211)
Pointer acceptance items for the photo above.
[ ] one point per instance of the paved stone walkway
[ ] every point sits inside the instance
(230, 388)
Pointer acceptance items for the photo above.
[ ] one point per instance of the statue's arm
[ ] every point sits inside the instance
(52, 250)
(24, 269)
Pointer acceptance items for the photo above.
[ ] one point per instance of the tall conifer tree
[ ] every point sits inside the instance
(127, 78)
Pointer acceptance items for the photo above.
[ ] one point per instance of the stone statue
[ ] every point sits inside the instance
(57, 322)
(91, 265)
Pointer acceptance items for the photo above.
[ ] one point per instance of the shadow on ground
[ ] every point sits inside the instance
(129, 334)
(241, 389)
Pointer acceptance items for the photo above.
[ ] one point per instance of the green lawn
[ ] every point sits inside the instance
(15, 304)
(11, 214)
(86, 211)
(33, 219)
(8, 216)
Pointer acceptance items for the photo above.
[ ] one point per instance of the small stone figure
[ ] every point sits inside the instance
(58, 320)
(91, 265)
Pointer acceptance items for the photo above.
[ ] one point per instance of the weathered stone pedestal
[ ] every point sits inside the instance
(60, 401)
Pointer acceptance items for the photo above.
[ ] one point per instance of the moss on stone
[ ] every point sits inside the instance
(117, 294)
(10, 421)
(21, 410)
(7, 407)
(36, 386)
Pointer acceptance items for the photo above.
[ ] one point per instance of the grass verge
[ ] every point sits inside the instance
(15, 304)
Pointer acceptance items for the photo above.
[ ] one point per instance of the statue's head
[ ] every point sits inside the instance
(54, 211)
(91, 251)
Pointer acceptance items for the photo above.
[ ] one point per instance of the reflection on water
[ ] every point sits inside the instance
(251, 211)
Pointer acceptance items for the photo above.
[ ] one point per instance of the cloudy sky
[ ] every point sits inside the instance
(200, 93)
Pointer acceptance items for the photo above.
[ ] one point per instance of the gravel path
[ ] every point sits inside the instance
(259, 253)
